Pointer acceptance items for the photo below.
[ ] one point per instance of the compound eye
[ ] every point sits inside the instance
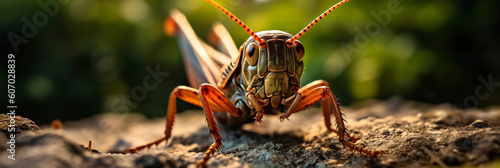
(252, 53)
(299, 51)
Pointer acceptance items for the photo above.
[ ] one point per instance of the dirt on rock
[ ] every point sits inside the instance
(411, 135)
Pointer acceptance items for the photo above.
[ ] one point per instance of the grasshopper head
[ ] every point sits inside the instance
(274, 68)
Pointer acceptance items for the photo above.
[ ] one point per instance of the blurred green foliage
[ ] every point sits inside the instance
(92, 54)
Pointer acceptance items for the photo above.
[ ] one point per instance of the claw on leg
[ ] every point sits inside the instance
(215, 147)
(258, 117)
(362, 150)
(136, 149)
(284, 116)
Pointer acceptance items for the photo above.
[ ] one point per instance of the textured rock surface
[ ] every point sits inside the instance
(411, 134)
(21, 124)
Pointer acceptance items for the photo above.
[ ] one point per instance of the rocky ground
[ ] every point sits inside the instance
(411, 135)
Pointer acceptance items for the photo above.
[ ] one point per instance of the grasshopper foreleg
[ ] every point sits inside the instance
(257, 104)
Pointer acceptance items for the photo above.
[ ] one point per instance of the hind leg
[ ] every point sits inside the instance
(317, 91)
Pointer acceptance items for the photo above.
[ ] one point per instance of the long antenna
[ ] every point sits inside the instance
(262, 43)
(297, 36)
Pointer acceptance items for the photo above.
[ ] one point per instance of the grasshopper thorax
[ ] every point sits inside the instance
(272, 71)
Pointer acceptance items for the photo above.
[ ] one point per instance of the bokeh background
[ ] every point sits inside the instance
(91, 56)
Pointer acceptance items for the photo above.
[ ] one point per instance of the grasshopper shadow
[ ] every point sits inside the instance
(236, 139)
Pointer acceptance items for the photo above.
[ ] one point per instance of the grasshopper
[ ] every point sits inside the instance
(262, 77)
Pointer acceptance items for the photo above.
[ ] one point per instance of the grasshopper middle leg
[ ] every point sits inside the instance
(208, 97)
